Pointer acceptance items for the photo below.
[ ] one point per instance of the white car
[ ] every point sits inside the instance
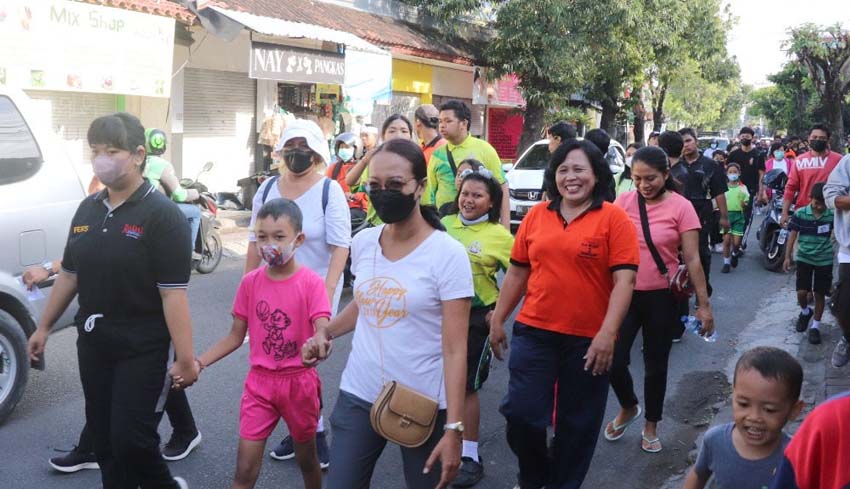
(525, 177)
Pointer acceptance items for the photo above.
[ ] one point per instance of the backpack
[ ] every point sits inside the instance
(325, 187)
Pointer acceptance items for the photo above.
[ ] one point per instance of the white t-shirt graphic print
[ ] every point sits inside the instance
(402, 302)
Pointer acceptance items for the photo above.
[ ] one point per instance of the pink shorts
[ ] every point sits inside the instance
(270, 395)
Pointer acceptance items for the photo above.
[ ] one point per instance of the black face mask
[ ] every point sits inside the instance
(298, 160)
(818, 146)
(392, 205)
(746, 142)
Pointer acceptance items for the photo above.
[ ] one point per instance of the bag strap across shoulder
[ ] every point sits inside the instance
(326, 185)
(451, 161)
(644, 223)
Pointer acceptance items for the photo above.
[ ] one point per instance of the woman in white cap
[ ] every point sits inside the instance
(327, 225)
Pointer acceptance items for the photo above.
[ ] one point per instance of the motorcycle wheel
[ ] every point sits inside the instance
(211, 255)
(774, 256)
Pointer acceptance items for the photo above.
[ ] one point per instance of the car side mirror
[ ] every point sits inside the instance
(506, 167)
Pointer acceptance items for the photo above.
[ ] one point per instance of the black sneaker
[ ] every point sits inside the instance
(470, 473)
(285, 450)
(803, 321)
(735, 256)
(814, 336)
(180, 446)
(74, 461)
(322, 449)
(726, 268)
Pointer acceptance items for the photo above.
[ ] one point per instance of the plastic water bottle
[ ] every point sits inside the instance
(783, 236)
(695, 325)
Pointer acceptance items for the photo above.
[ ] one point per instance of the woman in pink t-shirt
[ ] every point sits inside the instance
(673, 224)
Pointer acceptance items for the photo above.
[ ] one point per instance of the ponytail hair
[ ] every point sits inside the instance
(656, 158)
(411, 152)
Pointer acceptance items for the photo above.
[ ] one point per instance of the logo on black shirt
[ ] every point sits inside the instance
(133, 231)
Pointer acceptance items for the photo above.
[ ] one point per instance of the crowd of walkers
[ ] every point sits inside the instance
(605, 258)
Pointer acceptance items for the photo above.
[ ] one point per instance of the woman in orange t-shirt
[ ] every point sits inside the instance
(575, 258)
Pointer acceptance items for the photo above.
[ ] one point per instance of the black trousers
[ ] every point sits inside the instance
(843, 299)
(179, 414)
(653, 313)
(125, 387)
(539, 360)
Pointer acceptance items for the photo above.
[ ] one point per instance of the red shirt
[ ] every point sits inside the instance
(572, 265)
(359, 200)
(806, 171)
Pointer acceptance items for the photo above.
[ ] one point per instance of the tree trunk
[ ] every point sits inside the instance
(658, 108)
(609, 118)
(532, 126)
(832, 102)
(640, 119)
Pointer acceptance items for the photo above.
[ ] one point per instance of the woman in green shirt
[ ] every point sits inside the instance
(474, 221)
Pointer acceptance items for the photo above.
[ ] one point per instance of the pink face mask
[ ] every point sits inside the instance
(109, 170)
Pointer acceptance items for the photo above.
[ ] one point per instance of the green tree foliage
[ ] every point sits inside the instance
(825, 52)
(791, 103)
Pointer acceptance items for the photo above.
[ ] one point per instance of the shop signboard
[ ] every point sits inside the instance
(74, 46)
(504, 92)
(285, 63)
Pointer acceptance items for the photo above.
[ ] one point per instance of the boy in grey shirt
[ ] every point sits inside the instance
(765, 397)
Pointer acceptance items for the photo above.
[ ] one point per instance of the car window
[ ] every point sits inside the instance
(536, 159)
(20, 157)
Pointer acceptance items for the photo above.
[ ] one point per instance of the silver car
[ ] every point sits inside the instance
(39, 193)
(525, 178)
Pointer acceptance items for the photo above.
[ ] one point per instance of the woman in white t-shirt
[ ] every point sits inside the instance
(410, 314)
(327, 221)
(327, 226)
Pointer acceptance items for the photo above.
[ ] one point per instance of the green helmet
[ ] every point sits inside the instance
(155, 141)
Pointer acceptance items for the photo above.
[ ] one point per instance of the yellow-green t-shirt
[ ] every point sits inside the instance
(735, 197)
(371, 216)
(489, 246)
(441, 180)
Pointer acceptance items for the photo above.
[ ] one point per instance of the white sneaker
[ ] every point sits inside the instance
(718, 248)
(841, 354)
(181, 482)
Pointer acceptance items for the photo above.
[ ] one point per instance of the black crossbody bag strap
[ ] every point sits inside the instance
(644, 224)
(451, 161)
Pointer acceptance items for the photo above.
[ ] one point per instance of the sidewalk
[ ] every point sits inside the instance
(234, 232)
(774, 326)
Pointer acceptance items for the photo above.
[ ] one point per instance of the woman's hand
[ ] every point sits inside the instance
(316, 349)
(705, 315)
(498, 339)
(787, 265)
(601, 353)
(36, 344)
(184, 374)
(448, 450)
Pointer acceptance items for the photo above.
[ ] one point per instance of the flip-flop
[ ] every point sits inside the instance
(650, 446)
(621, 428)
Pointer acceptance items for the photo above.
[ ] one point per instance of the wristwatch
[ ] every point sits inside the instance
(48, 265)
(454, 427)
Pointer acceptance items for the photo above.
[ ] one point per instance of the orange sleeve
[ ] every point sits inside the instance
(623, 250)
(519, 253)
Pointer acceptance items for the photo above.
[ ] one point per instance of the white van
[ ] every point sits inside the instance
(39, 193)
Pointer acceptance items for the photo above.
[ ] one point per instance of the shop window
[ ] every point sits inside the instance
(20, 157)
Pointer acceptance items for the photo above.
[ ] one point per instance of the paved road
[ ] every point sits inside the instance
(50, 414)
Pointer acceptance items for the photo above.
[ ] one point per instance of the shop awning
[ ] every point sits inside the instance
(283, 28)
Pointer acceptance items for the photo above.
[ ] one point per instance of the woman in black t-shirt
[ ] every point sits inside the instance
(123, 263)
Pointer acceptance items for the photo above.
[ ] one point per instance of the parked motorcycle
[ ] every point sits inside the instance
(249, 186)
(771, 235)
(208, 246)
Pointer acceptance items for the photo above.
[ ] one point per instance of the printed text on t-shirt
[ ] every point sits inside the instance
(382, 301)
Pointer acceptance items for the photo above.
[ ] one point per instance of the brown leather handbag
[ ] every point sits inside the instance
(400, 414)
(404, 416)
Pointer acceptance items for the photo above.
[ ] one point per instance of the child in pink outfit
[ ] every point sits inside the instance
(279, 306)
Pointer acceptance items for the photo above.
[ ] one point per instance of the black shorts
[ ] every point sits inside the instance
(478, 352)
(820, 276)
